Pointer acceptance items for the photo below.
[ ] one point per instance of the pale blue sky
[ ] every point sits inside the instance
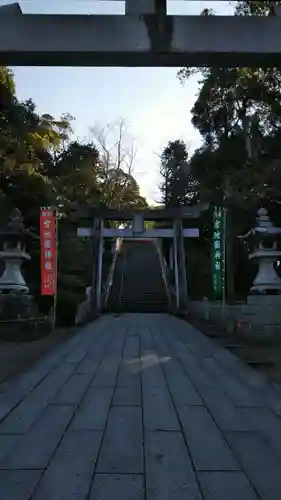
(151, 100)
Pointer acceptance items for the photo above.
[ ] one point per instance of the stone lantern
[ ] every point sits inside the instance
(261, 315)
(14, 292)
(265, 253)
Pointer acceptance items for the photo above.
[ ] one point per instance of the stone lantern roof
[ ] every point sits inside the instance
(265, 224)
(264, 229)
(14, 228)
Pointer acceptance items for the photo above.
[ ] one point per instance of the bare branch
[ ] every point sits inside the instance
(118, 152)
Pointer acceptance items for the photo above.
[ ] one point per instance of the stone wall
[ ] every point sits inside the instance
(260, 316)
(213, 311)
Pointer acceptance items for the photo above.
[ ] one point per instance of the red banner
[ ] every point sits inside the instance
(48, 252)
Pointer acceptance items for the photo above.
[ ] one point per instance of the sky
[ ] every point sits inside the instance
(151, 100)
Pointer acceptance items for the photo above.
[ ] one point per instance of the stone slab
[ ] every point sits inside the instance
(146, 343)
(158, 410)
(227, 416)
(118, 487)
(74, 389)
(226, 441)
(116, 345)
(171, 366)
(5, 407)
(106, 374)
(208, 448)
(69, 474)
(122, 446)
(273, 400)
(7, 443)
(18, 484)
(13, 391)
(92, 360)
(259, 462)
(239, 393)
(127, 395)
(227, 358)
(132, 346)
(183, 392)
(195, 372)
(264, 300)
(226, 485)
(213, 367)
(267, 316)
(267, 424)
(77, 355)
(88, 367)
(152, 374)
(93, 412)
(130, 373)
(27, 412)
(169, 472)
(35, 448)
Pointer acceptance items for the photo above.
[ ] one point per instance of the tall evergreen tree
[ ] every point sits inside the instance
(178, 186)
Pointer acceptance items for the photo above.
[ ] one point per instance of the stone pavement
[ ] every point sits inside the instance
(140, 407)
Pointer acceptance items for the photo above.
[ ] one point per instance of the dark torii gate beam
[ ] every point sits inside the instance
(137, 40)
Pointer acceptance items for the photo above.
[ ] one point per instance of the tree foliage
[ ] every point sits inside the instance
(178, 187)
(42, 164)
(238, 114)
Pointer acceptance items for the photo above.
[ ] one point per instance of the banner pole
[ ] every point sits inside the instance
(224, 263)
(56, 271)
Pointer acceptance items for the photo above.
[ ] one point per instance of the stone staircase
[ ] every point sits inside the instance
(138, 284)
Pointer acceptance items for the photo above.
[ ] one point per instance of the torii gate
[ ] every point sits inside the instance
(98, 232)
(145, 36)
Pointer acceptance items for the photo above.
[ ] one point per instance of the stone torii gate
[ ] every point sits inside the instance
(145, 36)
(98, 232)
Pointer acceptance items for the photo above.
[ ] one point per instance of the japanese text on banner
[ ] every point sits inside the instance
(48, 252)
(218, 251)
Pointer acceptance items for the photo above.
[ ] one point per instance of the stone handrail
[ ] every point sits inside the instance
(165, 272)
(109, 280)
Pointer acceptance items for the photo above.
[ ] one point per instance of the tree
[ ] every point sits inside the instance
(238, 114)
(76, 174)
(178, 186)
(7, 87)
(256, 8)
(117, 149)
(41, 164)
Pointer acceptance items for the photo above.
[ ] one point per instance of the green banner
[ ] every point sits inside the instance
(218, 253)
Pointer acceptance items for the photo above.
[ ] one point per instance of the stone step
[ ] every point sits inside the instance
(258, 309)
(138, 286)
(138, 300)
(261, 300)
(261, 319)
(263, 331)
(137, 309)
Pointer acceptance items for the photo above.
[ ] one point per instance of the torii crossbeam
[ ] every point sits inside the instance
(145, 36)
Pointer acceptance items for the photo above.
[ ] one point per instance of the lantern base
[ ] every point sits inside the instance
(16, 306)
(261, 315)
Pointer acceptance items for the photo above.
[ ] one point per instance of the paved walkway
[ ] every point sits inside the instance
(140, 407)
